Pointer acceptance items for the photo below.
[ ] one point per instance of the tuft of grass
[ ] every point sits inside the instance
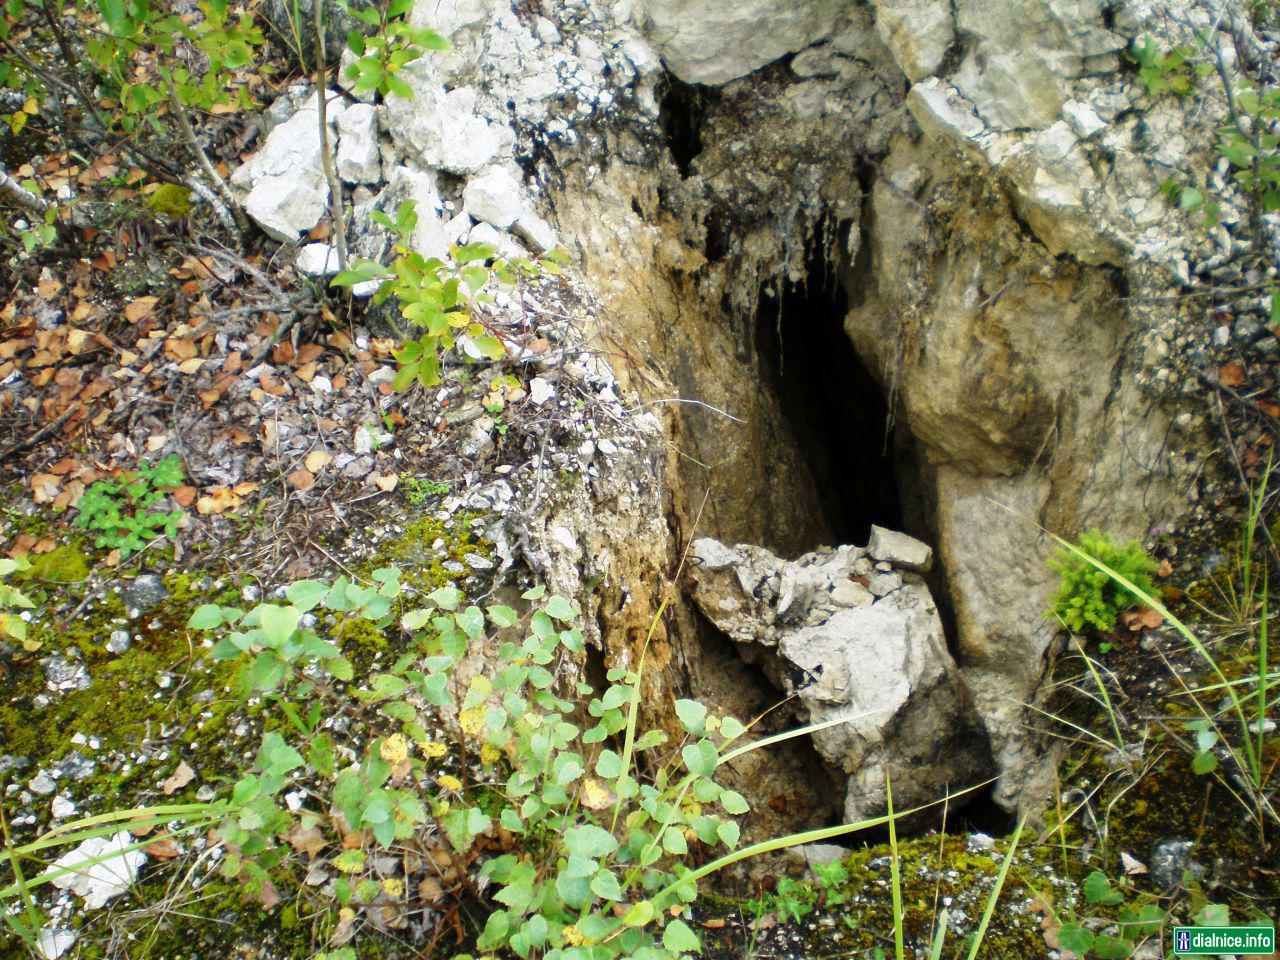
(1244, 712)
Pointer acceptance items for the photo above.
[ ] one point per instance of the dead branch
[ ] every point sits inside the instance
(20, 195)
(230, 202)
(326, 156)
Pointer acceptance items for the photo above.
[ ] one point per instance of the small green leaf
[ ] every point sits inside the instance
(206, 617)
(561, 608)
(1205, 762)
(339, 668)
(605, 886)
(501, 616)
(446, 598)
(731, 728)
(588, 840)
(277, 623)
(609, 765)
(1075, 938)
(639, 915)
(1097, 889)
(728, 832)
(692, 714)
(678, 938)
(700, 758)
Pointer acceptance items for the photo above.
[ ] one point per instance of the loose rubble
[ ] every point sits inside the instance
(874, 657)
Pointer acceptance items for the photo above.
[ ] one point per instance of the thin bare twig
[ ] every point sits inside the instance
(40, 434)
(189, 135)
(326, 156)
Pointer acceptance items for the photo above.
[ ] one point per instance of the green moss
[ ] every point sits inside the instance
(67, 563)
(170, 199)
(432, 553)
(934, 872)
(133, 696)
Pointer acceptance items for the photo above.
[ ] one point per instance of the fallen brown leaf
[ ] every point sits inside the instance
(140, 309)
(301, 479)
(164, 849)
(1141, 618)
(309, 841)
(317, 460)
(179, 779)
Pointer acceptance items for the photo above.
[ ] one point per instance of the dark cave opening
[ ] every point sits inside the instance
(833, 405)
(863, 467)
(680, 112)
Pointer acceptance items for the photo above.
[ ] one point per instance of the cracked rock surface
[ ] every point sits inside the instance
(860, 641)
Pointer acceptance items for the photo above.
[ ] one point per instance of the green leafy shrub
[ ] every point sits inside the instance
(1089, 597)
(437, 297)
(11, 598)
(1161, 71)
(119, 509)
(392, 46)
(602, 865)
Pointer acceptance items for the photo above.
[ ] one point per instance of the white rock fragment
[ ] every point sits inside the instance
(546, 30)
(115, 871)
(537, 231)
(286, 207)
(53, 942)
(449, 16)
(494, 197)
(713, 43)
(1082, 119)
(899, 549)
(61, 808)
(540, 391)
(918, 34)
(42, 783)
(445, 128)
(318, 260)
(285, 179)
(359, 157)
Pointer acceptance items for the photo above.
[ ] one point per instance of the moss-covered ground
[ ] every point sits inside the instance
(162, 702)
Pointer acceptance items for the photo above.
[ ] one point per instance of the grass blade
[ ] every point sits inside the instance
(808, 836)
(1261, 719)
(895, 872)
(788, 735)
(628, 746)
(938, 938)
(981, 932)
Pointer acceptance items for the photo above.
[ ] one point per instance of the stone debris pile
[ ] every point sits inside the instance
(854, 633)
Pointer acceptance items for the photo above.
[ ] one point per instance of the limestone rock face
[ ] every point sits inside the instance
(982, 180)
(285, 179)
(876, 660)
(713, 43)
(919, 32)
(359, 159)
